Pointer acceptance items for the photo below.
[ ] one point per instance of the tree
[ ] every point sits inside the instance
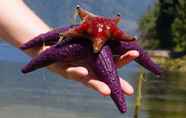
(147, 24)
(179, 27)
(164, 26)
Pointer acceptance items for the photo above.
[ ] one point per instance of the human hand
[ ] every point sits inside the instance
(17, 32)
(81, 72)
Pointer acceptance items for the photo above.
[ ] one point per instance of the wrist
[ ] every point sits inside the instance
(22, 25)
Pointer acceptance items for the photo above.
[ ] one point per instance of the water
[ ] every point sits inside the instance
(165, 97)
(43, 94)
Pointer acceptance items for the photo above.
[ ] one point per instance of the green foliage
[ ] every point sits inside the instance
(164, 26)
(147, 28)
(179, 27)
(175, 65)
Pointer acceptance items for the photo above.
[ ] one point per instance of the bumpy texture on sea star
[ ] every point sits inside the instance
(98, 29)
(77, 46)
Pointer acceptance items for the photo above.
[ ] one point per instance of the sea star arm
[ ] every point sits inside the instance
(143, 59)
(42, 60)
(48, 38)
(101, 63)
(117, 18)
(71, 50)
(120, 35)
(84, 14)
(104, 66)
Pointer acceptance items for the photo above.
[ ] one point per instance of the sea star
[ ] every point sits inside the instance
(101, 63)
(75, 45)
(118, 47)
(98, 29)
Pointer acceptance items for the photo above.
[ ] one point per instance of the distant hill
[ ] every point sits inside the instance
(60, 12)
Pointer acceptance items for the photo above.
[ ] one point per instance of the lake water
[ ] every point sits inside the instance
(43, 94)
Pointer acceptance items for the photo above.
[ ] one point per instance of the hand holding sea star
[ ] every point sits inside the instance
(101, 63)
(76, 45)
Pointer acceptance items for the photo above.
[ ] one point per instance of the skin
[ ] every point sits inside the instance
(52, 55)
(73, 50)
(14, 30)
(79, 49)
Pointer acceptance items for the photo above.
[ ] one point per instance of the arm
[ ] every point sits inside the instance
(18, 24)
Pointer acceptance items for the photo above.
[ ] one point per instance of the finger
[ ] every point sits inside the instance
(76, 73)
(103, 88)
(68, 71)
(81, 74)
(126, 87)
(97, 85)
(126, 58)
(84, 76)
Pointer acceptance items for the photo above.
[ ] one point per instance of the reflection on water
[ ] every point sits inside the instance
(165, 97)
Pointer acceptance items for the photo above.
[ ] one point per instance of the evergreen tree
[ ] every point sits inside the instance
(147, 26)
(165, 19)
(179, 27)
(164, 26)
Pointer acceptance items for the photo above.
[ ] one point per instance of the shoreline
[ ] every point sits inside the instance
(169, 61)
